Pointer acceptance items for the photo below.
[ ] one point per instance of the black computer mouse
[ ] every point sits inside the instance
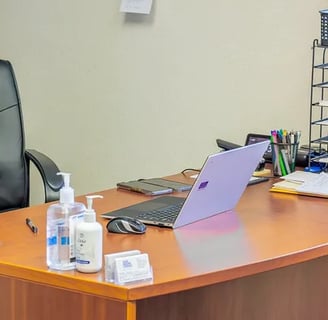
(126, 225)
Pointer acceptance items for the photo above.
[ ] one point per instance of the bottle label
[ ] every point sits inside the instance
(61, 235)
(63, 242)
(85, 248)
(52, 240)
(73, 221)
(88, 248)
(79, 261)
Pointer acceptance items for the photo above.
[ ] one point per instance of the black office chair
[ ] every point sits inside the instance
(14, 158)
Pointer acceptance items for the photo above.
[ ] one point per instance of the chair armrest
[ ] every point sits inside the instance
(48, 171)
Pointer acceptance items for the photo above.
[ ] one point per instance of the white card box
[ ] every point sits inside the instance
(132, 269)
(110, 262)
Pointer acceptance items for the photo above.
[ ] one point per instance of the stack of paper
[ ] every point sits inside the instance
(303, 183)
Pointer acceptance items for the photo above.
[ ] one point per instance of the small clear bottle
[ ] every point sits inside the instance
(89, 241)
(62, 219)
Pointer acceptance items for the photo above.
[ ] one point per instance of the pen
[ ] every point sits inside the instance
(31, 225)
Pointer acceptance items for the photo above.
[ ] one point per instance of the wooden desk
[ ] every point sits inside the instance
(266, 260)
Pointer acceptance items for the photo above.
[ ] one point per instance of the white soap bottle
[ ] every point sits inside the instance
(62, 219)
(89, 241)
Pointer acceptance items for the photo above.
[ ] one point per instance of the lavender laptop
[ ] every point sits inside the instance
(218, 188)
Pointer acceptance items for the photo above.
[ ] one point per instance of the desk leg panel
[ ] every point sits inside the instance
(297, 292)
(23, 300)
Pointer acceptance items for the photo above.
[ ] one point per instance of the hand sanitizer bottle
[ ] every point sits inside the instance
(62, 219)
(89, 241)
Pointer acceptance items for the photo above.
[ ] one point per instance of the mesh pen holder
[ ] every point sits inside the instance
(324, 27)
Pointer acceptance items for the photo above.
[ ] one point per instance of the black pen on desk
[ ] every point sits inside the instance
(31, 225)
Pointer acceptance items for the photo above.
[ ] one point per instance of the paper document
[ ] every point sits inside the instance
(136, 6)
(287, 185)
(322, 160)
(303, 183)
(301, 176)
(319, 185)
(323, 122)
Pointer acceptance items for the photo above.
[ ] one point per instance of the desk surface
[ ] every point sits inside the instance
(265, 232)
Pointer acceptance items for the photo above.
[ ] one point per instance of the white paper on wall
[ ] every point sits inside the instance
(136, 6)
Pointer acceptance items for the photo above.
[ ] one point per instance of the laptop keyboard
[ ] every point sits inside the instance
(167, 214)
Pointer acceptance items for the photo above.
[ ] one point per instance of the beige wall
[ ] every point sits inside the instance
(112, 96)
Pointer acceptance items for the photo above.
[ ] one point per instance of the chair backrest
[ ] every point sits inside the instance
(14, 183)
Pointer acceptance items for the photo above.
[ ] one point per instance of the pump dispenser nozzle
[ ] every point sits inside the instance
(90, 215)
(66, 193)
